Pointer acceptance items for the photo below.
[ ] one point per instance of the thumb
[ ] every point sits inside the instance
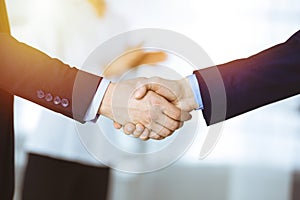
(159, 86)
(140, 92)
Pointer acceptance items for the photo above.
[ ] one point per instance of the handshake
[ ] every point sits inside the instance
(149, 108)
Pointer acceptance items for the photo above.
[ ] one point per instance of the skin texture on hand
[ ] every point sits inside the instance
(178, 92)
(147, 129)
(160, 117)
(126, 62)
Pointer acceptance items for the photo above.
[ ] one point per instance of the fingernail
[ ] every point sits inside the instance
(129, 129)
(137, 95)
(139, 129)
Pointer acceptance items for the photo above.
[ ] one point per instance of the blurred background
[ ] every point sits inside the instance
(258, 154)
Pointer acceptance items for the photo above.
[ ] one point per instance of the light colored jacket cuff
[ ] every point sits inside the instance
(196, 90)
(92, 112)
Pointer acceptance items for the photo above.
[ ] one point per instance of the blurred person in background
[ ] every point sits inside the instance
(26, 72)
(59, 166)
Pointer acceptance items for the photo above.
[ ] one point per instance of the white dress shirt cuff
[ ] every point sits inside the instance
(92, 112)
(196, 90)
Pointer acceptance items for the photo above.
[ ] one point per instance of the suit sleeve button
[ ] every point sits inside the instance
(48, 97)
(57, 100)
(65, 102)
(40, 94)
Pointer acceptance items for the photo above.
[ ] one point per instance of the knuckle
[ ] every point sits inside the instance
(134, 134)
(164, 132)
(144, 137)
(154, 116)
(175, 125)
(161, 138)
(155, 100)
(181, 124)
(186, 116)
(147, 120)
(177, 114)
(154, 136)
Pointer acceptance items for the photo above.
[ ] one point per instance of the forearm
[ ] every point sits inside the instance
(106, 105)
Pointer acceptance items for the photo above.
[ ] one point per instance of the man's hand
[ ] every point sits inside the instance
(178, 92)
(137, 101)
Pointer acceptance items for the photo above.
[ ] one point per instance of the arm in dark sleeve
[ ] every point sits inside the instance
(32, 75)
(264, 78)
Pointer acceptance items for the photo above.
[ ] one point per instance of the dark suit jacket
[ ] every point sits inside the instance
(29, 73)
(242, 85)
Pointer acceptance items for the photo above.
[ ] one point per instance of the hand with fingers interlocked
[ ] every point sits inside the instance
(177, 92)
(148, 108)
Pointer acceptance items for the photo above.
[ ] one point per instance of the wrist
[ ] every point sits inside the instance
(194, 86)
(106, 104)
(188, 94)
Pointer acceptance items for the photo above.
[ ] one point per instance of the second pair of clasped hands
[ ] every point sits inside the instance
(149, 108)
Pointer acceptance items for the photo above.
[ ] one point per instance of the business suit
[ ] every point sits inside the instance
(269, 76)
(6, 132)
(30, 74)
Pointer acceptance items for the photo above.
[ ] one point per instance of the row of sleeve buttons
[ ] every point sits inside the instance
(49, 97)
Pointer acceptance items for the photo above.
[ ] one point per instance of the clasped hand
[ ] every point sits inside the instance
(148, 108)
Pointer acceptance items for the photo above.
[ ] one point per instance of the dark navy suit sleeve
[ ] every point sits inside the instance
(264, 78)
